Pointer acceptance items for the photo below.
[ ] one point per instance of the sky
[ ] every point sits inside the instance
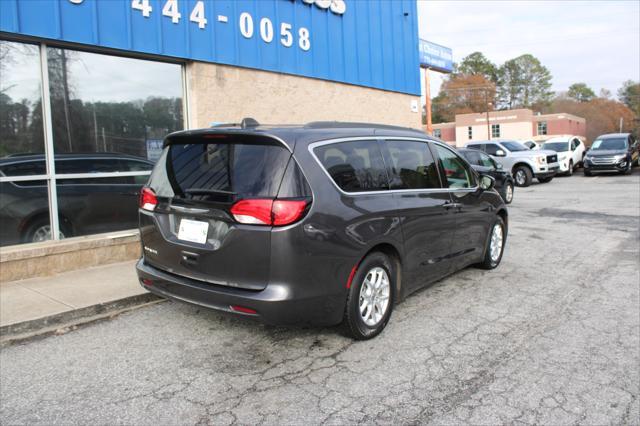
(595, 42)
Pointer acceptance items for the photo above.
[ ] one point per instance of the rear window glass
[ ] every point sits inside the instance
(203, 170)
(355, 166)
(412, 165)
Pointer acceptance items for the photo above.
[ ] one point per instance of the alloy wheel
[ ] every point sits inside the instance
(520, 177)
(374, 296)
(43, 233)
(509, 193)
(497, 240)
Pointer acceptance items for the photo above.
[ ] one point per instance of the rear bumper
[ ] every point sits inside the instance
(276, 304)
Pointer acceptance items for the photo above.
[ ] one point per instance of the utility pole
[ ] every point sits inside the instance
(427, 101)
(486, 101)
(621, 122)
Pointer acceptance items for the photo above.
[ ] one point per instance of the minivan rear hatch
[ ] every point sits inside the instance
(191, 230)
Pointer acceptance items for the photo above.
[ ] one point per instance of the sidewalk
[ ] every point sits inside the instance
(31, 305)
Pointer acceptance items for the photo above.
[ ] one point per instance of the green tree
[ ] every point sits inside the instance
(524, 82)
(478, 64)
(629, 94)
(581, 92)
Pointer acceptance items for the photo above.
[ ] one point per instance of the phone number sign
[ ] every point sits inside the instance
(339, 40)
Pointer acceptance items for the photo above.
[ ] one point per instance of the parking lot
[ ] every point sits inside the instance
(551, 336)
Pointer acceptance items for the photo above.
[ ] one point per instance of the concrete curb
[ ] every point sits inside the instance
(60, 323)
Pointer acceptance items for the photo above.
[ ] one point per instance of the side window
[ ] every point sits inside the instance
(479, 147)
(457, 173)
(136, 166)
(412, 165)
(473, 157)
(24, 168)
(487, 161)
(355, 166)
(491, 148)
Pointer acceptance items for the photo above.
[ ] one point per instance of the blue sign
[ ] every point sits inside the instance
(435, 57)
(368, 43)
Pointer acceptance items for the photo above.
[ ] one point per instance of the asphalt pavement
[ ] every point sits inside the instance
(552, 336)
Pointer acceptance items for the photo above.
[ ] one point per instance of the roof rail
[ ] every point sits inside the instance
(244, 124)
(350, 125)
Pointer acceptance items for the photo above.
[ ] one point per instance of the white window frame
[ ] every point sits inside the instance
(51, 177)
(542, 125)
(495, 127)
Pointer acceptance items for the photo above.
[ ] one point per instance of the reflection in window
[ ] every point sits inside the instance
(96, 205)
(455, 169)
(21, 130)
(412, 165)
(109, 104)
(354, 166)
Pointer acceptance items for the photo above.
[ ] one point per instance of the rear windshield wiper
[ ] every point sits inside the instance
(198, 191)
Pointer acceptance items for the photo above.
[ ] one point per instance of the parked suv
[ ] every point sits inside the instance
(484, 164)
(524, 164)
(570, 149)
(321, 223)
(615, 152)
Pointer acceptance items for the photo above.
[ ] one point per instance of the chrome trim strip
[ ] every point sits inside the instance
(314, 145)
(74, 176)
(188, 209)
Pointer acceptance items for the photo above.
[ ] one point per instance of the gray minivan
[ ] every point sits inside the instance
(320, 223)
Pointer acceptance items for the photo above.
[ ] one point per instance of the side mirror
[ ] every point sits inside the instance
(500, 153)
(486, 182)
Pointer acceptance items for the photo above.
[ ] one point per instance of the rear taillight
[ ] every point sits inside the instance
(287, 211)
(148, 200)
(268, 212)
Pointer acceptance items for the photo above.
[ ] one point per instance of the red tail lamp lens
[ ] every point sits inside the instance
(253, 212)
(147, 282)
(268, 212)
(148, 200)
(287, 211)
(243, 310)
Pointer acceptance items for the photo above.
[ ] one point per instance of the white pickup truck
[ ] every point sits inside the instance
(524, 164)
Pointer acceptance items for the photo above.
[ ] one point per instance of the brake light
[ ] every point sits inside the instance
(148, 200)
(268, 212)
(253, 212)
(287, 211)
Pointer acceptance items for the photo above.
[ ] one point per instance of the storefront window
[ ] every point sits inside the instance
(109, 116)
(21, 130)
(113, 105)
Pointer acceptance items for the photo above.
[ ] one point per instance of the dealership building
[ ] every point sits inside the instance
(517, 124)
(89, 88)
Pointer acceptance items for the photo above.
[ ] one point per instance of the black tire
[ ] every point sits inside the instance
(570, 171)
(505, 192)
(353, 320)
(587, 173)
(628, 170)
(545, 180)
(488, 262)
(525, 179)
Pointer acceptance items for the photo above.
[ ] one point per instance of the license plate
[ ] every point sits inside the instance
(193, 231)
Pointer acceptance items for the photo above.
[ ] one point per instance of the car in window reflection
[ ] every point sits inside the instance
(86, 205)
